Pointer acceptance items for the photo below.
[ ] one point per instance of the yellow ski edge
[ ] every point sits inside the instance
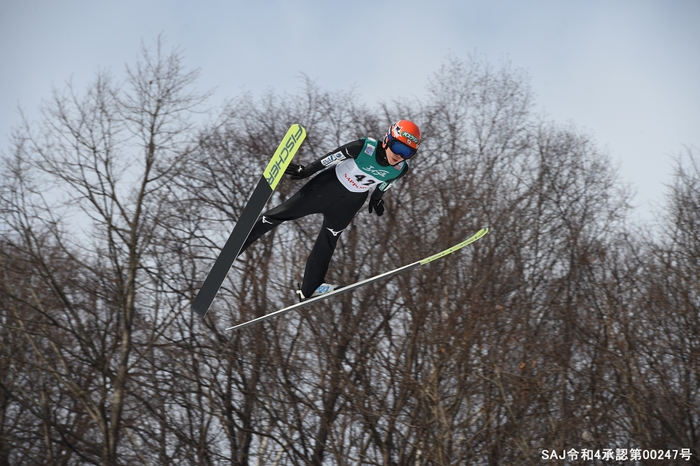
(284, 154)
(477, 236)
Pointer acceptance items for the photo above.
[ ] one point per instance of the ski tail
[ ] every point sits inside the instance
(477, 236)
(256, 203)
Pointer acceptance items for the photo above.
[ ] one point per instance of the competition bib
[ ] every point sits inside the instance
(362, 173)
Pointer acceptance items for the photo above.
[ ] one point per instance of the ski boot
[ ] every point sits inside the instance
(323, 289)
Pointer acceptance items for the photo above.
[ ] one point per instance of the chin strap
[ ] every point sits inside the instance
(382, 155)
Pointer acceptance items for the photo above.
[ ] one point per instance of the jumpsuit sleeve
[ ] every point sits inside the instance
(334, 157)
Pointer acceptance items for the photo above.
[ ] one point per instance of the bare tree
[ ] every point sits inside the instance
(667, 318)
(563, 328)
(91, 309)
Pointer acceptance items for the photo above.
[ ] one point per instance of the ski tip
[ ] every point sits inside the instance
(479, 234)
(475, 237)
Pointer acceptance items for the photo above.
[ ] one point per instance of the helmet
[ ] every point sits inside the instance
(406, 132)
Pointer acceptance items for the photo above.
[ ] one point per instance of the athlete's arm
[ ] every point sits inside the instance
(349, 150)
(376, 203)
(383, 187)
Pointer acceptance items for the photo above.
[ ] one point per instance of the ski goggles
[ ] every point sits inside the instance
(401, 149)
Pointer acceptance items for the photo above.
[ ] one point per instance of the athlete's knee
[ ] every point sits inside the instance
(329, 236)
(332, 232)
(267, 220)
(262, 226)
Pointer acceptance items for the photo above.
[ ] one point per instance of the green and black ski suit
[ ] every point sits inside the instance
(338, 192)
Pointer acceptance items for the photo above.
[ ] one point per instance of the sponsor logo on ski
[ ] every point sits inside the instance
(280, 160)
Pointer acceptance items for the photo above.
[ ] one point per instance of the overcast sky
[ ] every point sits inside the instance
(625, 71)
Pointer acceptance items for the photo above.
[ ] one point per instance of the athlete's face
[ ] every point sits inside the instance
(393, 158)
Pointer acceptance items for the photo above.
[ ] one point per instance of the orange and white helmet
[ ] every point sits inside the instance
(403, 138)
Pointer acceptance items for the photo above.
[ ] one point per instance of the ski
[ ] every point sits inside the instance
(477, 236)
(261, 194)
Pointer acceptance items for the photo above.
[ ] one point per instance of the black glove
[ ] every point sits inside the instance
(296, 171)
(377, 205)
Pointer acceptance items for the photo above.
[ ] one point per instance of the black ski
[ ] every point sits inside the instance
(261, 194)
(478, 235)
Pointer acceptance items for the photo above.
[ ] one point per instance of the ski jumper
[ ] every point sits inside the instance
(338, 193)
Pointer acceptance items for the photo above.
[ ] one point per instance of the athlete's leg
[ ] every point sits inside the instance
(308, 200)
(335, 219)
(291, 209)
